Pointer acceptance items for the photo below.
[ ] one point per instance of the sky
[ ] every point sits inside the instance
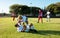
(5, 4)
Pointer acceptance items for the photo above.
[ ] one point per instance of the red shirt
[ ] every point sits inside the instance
(13, 14)
(40, 13)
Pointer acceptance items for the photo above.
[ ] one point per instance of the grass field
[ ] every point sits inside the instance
(46, 30)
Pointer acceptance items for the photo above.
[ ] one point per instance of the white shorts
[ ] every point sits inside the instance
(48, 16)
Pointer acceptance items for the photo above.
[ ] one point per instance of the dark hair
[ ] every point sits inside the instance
(31, 24)
(16, 25)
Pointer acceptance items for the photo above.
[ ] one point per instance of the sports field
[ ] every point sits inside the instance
(45, 30)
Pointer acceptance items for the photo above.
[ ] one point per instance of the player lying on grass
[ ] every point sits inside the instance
(25, 28)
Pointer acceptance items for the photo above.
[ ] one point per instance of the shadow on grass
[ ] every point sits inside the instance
(46, 32)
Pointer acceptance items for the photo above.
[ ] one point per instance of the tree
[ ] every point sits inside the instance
(23, 9)
(54, 8)
(18, 9)
(35, 10)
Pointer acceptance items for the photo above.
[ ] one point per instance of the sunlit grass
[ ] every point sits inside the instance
(45, 30)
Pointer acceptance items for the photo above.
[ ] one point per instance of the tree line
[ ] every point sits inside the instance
(24, 9)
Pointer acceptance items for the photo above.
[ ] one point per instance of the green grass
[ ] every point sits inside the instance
(46, 30)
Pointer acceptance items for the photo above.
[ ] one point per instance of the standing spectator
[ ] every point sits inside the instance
(40, 16)
(13, 15)
(48, 16)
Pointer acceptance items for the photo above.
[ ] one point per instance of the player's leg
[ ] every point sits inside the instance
(38, 19)
(13, 18)
(47, 18)
(41, 19)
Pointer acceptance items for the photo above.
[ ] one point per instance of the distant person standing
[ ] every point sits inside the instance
(13, 15)
(48, 16)
(40, 16)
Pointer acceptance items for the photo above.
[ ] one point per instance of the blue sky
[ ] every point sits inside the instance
(4, 4)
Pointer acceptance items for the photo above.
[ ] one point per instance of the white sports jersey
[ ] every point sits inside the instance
(48, 14)
(27, 28)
